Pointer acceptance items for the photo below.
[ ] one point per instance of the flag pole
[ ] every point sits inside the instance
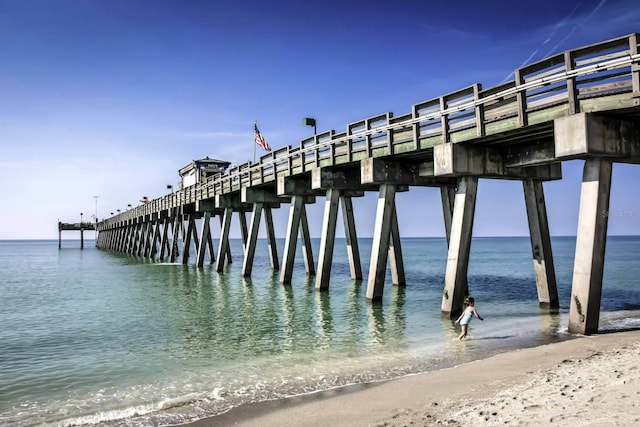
(255, 123)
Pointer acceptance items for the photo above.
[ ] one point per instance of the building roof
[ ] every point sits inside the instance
(203, 163)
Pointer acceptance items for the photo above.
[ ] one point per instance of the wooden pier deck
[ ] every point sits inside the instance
(579, 104)
(75, 226)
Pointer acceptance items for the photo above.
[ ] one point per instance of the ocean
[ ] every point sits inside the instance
(98, 337)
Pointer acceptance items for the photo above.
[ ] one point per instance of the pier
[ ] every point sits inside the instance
(74, 226)
(579, 104)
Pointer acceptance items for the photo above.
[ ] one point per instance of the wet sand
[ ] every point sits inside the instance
(593, 380)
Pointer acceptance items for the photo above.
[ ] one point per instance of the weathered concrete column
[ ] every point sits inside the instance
(155, 241)
(135, 234)
(586, 289)
(250, 247)
(295, 211)
(381, 237)
(265, 201)
(346, 181)
(353, 251)
(541, 244)
(146, 241)
(186, 240)
(455, 280)
(119, 241)
(223, 244)
(242, 216)
(177, 227)
(307, 249)
(145, 237)
(227, 253)
(131, 237)
(206, 241)
(448, 194)
(124, 241)
(396, 262)
(138, 241)
(164, 240)
(271, 239)
(189, 234)
(328, 238)
(136, 247)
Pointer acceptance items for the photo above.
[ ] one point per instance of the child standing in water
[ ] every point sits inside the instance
(466, 316)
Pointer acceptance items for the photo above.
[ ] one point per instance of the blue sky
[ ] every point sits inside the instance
(111, 98)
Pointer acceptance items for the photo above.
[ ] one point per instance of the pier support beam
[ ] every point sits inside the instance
(395, 253)
(327, 239)
(307, 249)
(271, 239)
(206, 242)
(381, 235)
(448, 195)
(261, 201)
(242, 217)
(455, 280)
(145, 237)
(177, 228)
(541, 244)
(353, 251)
(250, 247)
(590, 134)
(586, 289)
(227, 253)
(223, 244)
(164, 241)
(343, 183)
(295, 212)
(155, 240)
(191, 233)
(297, 220)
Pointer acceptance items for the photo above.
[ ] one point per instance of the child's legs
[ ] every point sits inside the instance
(464, 331)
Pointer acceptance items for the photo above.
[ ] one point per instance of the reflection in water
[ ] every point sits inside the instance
(398, 316)
(147, 335)
(376, 323)
(550, 324)
(324, 320)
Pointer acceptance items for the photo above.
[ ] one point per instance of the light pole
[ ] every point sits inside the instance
(310, 121)
(96, 197)
(81, 232)
(96, 225)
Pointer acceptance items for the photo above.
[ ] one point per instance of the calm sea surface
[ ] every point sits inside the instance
(91, 336)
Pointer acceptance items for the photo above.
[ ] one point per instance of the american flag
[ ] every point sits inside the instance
(260, 139)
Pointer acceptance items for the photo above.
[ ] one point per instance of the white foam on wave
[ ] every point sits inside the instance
(620, 320)
(106, 416)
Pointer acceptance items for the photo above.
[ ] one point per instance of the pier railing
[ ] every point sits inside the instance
(599, 77)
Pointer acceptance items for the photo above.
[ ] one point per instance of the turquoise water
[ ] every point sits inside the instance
(91, 336)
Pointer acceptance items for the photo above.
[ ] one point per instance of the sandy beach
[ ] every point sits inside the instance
(586, 381)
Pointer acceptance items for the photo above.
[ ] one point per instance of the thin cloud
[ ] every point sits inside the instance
(577, 26)
(569, 21)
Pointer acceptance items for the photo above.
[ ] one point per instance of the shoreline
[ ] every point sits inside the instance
(586, 379)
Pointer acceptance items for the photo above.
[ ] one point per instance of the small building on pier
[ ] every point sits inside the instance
(197, 171)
